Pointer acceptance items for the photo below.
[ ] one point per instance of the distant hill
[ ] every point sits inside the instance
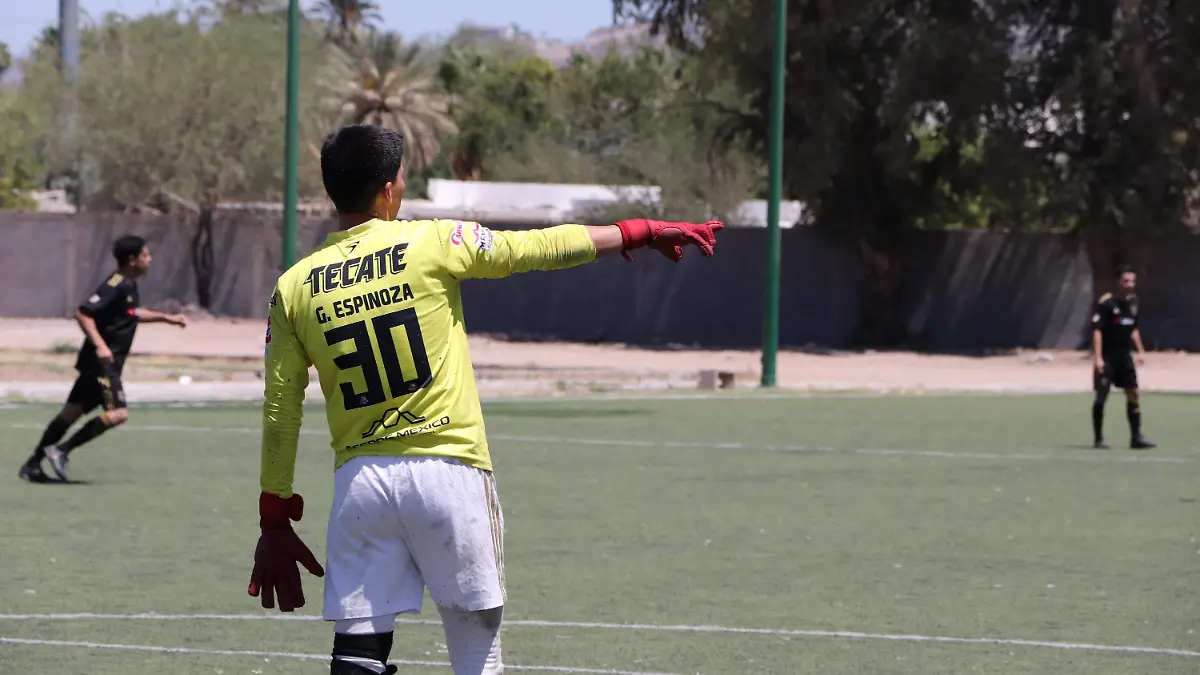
(625, 39)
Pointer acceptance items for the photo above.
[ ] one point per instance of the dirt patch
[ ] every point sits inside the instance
(231, 350)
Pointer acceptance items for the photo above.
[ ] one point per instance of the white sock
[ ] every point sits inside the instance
(474, 644)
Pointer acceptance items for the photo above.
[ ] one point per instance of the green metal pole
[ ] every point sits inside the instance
(770, 339)
(68, 65)
(292, 139)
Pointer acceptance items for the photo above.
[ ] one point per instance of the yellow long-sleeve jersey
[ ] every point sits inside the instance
(377, 309)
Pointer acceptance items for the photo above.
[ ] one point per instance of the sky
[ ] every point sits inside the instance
(22, 20)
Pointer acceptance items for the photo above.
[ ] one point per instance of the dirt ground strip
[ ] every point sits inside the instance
(37, 355)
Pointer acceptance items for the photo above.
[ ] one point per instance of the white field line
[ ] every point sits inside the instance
(39, 393)
(1075, 456)
(292, 655)
(828, 450)
(777, 632)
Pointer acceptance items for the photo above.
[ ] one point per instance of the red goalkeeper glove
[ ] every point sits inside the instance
(276, 572)
(668, 238)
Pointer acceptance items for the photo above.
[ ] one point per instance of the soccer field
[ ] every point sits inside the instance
(909, 536)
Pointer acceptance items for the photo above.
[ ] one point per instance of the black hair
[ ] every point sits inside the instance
(356, 162)
(1122, 270)
(128, 246)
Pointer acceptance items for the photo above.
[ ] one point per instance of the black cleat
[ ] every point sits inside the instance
(1140, 443)
(31, 472)
(58, 461)
(1101, 445)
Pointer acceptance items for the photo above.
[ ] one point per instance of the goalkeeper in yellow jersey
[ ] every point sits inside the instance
(377, 310)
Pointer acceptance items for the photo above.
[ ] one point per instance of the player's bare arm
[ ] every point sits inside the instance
(1141, 349)
(88, 325)
(1098, 349)
(151, 316)
(607, 239)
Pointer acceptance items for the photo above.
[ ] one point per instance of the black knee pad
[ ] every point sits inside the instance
(376, 647)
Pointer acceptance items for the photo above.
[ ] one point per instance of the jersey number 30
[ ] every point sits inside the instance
(364, 357)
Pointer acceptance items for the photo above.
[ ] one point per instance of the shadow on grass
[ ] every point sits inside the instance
(54, 481)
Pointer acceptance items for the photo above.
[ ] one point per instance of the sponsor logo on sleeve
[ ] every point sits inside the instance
(456, 235)
(483, 238)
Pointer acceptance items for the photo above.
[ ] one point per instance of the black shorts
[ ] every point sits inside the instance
(1119, 372)
(98, 389)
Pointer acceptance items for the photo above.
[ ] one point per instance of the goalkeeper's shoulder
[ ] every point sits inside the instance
(293, 282)
(434, 236)
(436, 227)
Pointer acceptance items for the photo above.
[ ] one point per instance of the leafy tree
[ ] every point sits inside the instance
(498, 105)
(646, 120)
(21, 167)
(1062, 115)
(174, 110)
(652, 120)
(346, 21)
(167, 105)
(864, 77)
(1106, 110)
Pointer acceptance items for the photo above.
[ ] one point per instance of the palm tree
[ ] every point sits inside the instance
(345, 19)
(383, 82)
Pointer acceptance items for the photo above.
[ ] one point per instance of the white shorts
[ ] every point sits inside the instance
(401, 524)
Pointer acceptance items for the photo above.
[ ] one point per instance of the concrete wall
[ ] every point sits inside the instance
(961, 292)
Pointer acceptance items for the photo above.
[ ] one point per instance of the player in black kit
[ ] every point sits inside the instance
(109, 318)
(1114, 336)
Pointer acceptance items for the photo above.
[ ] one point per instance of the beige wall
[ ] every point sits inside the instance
(962, 291)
